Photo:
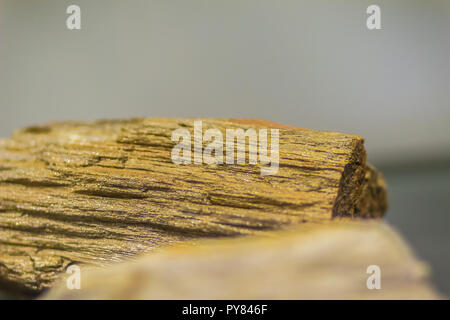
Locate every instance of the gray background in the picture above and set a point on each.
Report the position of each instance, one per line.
(307, 63)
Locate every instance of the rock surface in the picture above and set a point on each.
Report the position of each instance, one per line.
(313, 261)
(102, 192)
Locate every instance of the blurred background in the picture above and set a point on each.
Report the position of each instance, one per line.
(310, 63)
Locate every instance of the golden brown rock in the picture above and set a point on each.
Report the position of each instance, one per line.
(101, 192)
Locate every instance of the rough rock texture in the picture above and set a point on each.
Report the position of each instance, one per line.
(317, 261)
(102, 192)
